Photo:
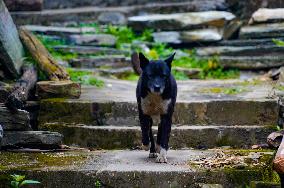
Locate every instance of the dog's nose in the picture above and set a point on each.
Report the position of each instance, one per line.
(157, 88)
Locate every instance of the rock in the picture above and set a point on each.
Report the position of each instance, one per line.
(1, 135)
(248, 42)
(32, 139)
(275, 138)
(203, 185)
(272, 30)
(180, 21)
(176, 37)
(11, 49)
(113, 61)
(93, 39)
(89, 50)
(115, 18)
(14, 120)
(58, 89)
(191, 73)
(51, 30)
(24, 5)
(265, 15)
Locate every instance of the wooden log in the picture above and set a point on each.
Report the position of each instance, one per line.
(43, 58)
(21, 90)
(58, 89)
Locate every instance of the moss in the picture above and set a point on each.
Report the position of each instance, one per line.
(227, 90)
(226, 141)
(28, 161)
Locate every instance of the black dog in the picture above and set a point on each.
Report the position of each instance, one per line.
(156, 96)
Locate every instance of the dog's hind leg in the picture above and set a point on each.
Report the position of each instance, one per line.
(153, 153)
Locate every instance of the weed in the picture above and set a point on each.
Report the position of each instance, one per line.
(85, 77)
(19, 181)
(278, 42)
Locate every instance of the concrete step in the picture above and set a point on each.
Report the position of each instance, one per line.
(91, 13)
(134, 169)
(121, 137)
(229, 102)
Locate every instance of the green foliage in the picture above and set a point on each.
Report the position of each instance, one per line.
(278, 42)
(19, 181)
(179, 75)
(85, 77)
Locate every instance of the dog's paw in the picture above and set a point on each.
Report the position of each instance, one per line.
(145, 147)
(162, 156)
(153, 155)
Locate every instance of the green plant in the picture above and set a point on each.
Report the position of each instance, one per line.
(98, 184)
(278, 42)
(19, 181)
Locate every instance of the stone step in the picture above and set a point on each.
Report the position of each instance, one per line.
(134, 169)
(200, 137)
(197, 5)
(266, 50)
(248, 42)
(198, 102)
(116, 15)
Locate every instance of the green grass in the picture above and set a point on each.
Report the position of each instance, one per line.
(85, 78)
(210, 68)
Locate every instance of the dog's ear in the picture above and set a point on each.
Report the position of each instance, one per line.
(170, 59)
(143, 61)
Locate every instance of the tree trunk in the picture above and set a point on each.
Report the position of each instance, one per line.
(42, 57)
(21, 90)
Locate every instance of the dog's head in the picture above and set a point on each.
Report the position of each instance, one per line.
(156, 73)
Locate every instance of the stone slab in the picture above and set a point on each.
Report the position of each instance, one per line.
(175, 37)
(272, 30)
(11, 49)
(265, 15)
(180, 21)
(93, 39)
(32, 139)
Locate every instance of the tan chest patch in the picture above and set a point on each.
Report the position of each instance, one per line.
(153, 104)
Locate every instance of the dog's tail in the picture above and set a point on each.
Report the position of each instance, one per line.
(136, 63)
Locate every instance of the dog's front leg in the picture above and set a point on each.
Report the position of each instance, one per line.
(163, 137)
(145, 123)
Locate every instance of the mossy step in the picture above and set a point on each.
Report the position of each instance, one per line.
(135, 169)
(121, 137)
(205, 112)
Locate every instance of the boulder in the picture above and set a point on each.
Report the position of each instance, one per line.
(24, 5)
(11, 49)
(114, 18)
(93, 39)
(58, 89)
(272, 30)
(265, 15)
(181, 21)
(32, 139)
(180, 37)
